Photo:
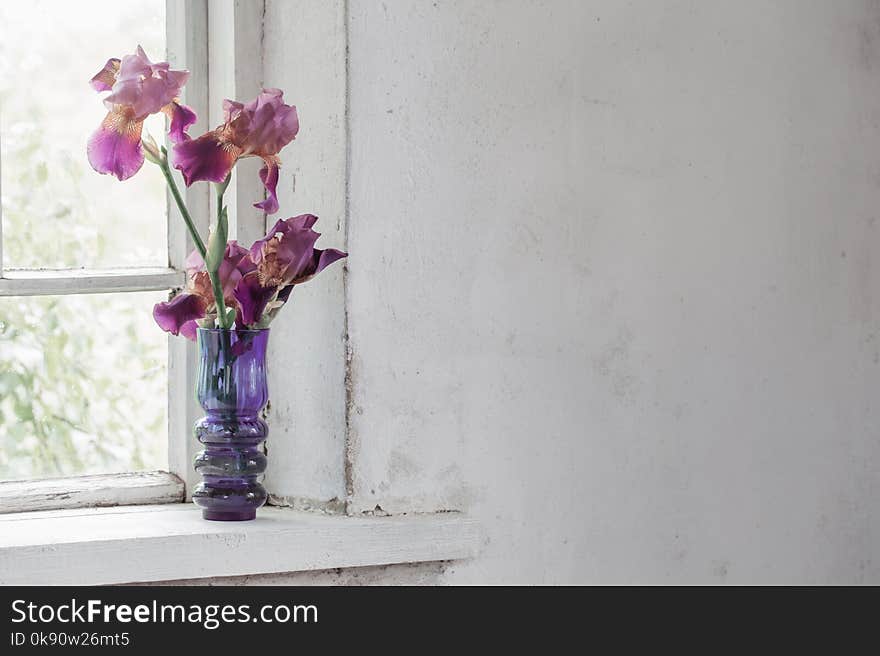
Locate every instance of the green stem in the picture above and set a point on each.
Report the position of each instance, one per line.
(216, 287)
(215, 279)
(178, 199)
(218, 300)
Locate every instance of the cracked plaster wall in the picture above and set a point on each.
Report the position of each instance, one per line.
(612, 286)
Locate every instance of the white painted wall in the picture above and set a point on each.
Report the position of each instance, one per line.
(611, 285)
(304, 54)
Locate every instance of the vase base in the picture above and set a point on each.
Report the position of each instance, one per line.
(230, 515)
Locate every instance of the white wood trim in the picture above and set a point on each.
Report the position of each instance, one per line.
(187, 47)
(305, 54)
(90, 491)
(235, 32)
(235, 47)
(43, 282)
(172, 542)
(250, 222)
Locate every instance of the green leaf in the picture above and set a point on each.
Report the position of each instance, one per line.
(217, 243)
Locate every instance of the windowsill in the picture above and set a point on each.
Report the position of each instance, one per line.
(170, 542)
(98, 490)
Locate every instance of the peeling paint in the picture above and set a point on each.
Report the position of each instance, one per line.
(350, 439)
(332, 506)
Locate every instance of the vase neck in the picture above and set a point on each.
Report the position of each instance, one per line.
(232, 372)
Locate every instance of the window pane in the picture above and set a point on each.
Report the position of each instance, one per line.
(83, 385)
(57, 212)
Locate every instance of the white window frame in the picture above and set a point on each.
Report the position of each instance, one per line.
(235, 29)
(227, 33)
(69, 540)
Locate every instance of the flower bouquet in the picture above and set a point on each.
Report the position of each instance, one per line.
(232, 293)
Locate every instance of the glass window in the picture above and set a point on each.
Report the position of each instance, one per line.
(57, 212)
(83, 380)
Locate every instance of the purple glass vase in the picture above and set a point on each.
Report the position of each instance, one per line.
(232, 390)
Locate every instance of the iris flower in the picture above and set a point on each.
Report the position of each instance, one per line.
(260, 128)
(138, 88)
(180, 315)
(256, 282)
(282, 259)
(253, 284)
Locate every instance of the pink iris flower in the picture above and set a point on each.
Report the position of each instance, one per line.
(256, 282)
(138, 88)
(282, 259)
(261, 128)
(180, 315)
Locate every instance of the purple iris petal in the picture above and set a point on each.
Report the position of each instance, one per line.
(137, 94)
(138, 88)
(281, 225)
(144, 86)
(190, 330)
(236, 262)
(285, 293)
(194, 262)
(246, 264)
(229, 272)
(235, 252)
(298, 244)
(104, 79)
(287, 249)
(181, 118)
(205, 158)
(265, 125)
(287, 254)
(115, 147)
(252, 298)
(138, 65)
(269, 177)
(174, 315)
(301, 222)
(320, 261)
(260, 128)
